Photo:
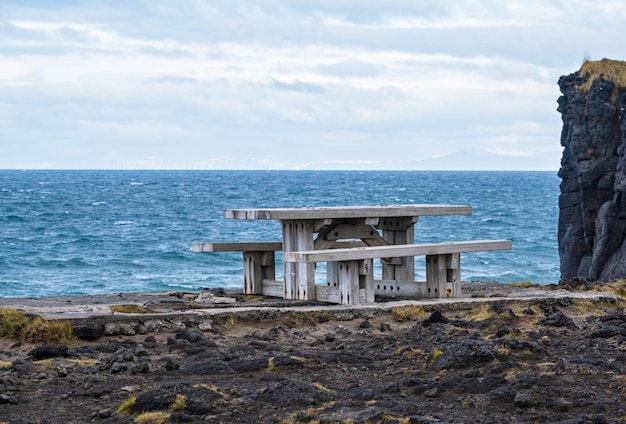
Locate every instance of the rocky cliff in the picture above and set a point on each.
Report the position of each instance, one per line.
(592, 203)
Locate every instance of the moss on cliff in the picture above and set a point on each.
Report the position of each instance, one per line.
(610, 70)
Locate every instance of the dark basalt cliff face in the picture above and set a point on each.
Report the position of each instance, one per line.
(592, 203)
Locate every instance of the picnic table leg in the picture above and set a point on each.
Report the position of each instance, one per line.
(299, 277)
(453, 269)
(443, 275)
(348, 276)
(257, 266)
(366, 280)
(331, 274)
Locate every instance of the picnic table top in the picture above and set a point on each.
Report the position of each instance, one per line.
(338, 212)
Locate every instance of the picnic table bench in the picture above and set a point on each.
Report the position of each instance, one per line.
(355, 282)
(259, 262)
(348, 239)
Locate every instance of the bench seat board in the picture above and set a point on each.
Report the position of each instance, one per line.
(399, 250)
(256, 246)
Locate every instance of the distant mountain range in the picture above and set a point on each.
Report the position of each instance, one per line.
(463, 160)
(481, 160)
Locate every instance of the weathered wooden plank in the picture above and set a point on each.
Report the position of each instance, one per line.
(327, 294)
(338, 212)
(348, 280)
(272, 288)
(400, 223)
(453, 265)
(257, 266)
(436, 275)
(400, 288)
(352, 231)
(305, 272)
(404, 267)
(320, 224)
(252, 273)
(389, 270)
(366, 281)
(255, 246)
(289, 245)
(371, 252)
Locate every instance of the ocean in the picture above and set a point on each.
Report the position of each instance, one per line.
(89, 232)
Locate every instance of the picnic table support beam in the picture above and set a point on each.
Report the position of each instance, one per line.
(398, 231)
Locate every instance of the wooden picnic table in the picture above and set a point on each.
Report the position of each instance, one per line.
(321, 228)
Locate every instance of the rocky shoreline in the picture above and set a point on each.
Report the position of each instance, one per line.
(526, 360)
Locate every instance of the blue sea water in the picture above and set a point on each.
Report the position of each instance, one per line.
(88, 232)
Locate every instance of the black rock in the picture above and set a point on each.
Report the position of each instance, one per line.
(523, 399)
(118, 367)
(558, 319)
(45, 352)
(154, 400)
(435, 317)
(191, 336)
(89, 332)
(6, 399)
(171, 365)
(292, 392)
(105, 413)
(140, 368)
(243, 365)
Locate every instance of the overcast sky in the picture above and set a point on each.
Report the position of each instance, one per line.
(270, 84)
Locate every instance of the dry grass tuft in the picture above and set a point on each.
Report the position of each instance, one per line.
(17, 325)
(46, 363)
(311, 414)
(523, 284)
(611, 70)
(157, 417)
(85, 362)
(179, 403)
(408, 313)
(436, 353)
(212, 388)
(271, 366)
(482, 312)
(617, 287)
(59, 332)
(324, 389)
(126, 405)
(225, 323)
(305, 319)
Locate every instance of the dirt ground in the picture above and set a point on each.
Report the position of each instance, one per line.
(544, 361)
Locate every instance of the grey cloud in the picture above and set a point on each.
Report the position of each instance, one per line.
(468, 85)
